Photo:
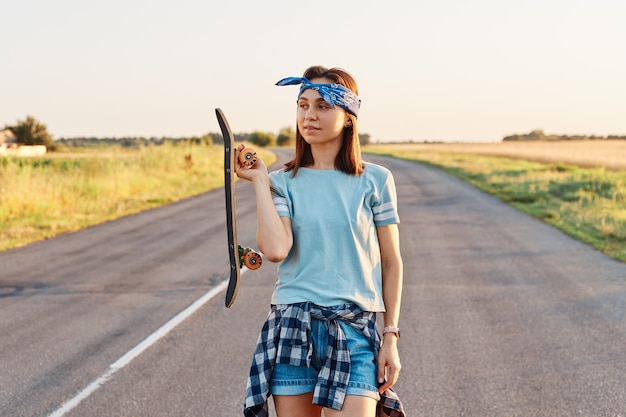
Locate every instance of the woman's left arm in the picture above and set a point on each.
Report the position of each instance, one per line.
(391, 260)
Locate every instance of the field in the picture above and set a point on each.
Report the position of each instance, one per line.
(610, 154)
(63, 192)
(579, 187)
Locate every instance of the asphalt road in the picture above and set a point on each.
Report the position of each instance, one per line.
(502, 315)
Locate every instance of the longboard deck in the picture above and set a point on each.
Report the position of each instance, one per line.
(231, 220)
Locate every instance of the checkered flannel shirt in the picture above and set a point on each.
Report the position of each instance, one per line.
(283, 339)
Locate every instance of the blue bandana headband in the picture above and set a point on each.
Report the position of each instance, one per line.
(333, 94)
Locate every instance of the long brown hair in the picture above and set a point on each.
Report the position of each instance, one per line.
(348, 159)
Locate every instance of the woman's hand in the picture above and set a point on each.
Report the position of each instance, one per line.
(258, 170)
(388, 362)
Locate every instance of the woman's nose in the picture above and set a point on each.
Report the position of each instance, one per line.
(310, 113)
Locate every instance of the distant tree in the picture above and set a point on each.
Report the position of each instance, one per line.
(218, 138)
(536, 134)
(364, 139)
(262, 139)
(286, 137)
(128, 142)
(241, 137)
(32, 132)
(207, 139)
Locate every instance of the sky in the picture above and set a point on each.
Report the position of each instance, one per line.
(444, 70)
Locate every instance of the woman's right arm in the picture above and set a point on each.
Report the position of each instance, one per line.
(274, 237)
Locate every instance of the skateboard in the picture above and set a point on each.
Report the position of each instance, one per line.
(239, 256)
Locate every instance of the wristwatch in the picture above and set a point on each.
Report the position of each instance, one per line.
(393, 330)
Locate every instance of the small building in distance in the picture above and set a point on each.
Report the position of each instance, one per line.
(10, 147)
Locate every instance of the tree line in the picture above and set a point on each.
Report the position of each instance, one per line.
(539, 134)
(257, 138)
(32, 132)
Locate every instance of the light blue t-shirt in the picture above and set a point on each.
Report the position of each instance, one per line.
(335, 258)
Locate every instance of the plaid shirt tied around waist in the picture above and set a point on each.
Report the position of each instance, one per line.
(284, 339)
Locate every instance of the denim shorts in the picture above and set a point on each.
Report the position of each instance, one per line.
(296, 380)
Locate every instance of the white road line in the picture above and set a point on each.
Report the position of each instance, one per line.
(140, 348)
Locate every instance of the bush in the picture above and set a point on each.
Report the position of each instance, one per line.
(262, 139)
(286, 137)
(32, 132)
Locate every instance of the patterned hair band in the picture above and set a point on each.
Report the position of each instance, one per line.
(333, 94)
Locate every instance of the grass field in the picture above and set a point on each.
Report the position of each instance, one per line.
(586, 199)
(610, 154)
(43, 197)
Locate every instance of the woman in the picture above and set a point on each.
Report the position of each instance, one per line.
(331, 221)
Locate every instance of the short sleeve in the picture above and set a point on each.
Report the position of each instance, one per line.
(385, 206)
(280, 194)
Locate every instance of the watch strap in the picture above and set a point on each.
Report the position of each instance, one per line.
(390, 329)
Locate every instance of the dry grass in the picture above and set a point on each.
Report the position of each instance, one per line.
(58, 193)
(610, 154)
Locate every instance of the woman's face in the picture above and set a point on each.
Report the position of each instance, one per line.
(318, 121)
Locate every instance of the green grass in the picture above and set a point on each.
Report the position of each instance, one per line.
(589, 204)
(43, 197)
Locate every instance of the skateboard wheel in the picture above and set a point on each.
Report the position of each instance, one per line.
(253, 260)
(247, 157)
(249, 258)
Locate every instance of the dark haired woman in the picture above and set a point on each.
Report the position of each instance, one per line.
(331, 221)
